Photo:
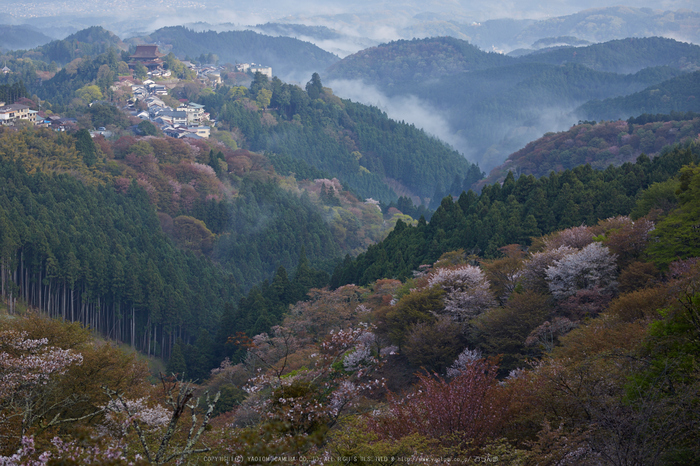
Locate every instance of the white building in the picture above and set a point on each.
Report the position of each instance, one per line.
(11, 113)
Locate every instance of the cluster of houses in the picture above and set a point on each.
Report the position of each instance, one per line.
(183, 121)
(12, 114)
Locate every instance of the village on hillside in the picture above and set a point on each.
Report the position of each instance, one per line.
(187, 120)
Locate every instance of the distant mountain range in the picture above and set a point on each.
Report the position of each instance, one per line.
(21, 37)
(495, 104)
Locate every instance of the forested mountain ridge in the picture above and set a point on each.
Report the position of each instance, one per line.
(600, 144)
(421, 59)
(377, 157)
(406, 62)
(674, 95)
(128, 236)
(13, 37)
(624, 56)
(77, 248)
(86, 43)
(592, 25)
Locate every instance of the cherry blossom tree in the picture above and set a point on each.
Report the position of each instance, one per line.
(28, 368)
(465, 359)
(156, 426)
(534, 274)
(467, 291)
(591, 267)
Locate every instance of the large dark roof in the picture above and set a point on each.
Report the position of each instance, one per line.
(147, 51)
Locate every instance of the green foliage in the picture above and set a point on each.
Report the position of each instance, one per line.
(140, 71)
(177, 68)
(433, 346)
(96, 252)
(89, 93)
(659, 196)
(103, 114)
(231, 396)
(176, 364)
(86, 147)
(503, 330)
(77, 79)
(10, 93)
(147, 128)
(269, 231)
(414, 308)
(314, 87)
(512, 213)
(678, 233)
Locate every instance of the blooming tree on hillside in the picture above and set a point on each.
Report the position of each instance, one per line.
(467, 291)
(27, 368)
(591, 267)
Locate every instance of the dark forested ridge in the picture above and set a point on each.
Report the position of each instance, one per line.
(405, 62)
(86, 43)
(624, 56)
(13, 37)
(674, 95)
(149, 240)
(512, 213)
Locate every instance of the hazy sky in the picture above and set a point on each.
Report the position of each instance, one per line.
(376, 19)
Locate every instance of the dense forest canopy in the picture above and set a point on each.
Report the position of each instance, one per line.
(608, 309)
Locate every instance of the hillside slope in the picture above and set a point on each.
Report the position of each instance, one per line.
(600, 145)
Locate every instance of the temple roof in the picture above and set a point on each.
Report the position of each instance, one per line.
(147, 52)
